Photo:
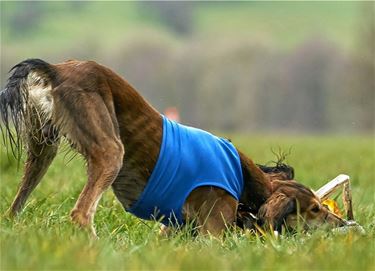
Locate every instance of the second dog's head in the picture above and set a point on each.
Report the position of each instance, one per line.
(293, 204)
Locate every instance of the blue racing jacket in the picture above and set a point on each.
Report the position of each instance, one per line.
(188, 158)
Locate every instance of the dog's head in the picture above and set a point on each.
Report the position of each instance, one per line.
(294, 205)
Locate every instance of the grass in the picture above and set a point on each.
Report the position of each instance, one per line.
(42, 238)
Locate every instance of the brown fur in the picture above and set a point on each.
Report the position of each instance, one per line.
(119, 134)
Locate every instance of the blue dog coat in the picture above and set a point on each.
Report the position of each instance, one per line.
(188, 158)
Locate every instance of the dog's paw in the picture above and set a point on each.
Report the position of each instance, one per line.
(165, 231)
(84, 222)
(79, 218)
(9, 214)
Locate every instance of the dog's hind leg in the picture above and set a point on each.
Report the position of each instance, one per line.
(91, 125)
(39, 157)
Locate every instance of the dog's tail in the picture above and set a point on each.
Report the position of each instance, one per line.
(15, 106)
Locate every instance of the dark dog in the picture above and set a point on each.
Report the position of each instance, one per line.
(120, 135)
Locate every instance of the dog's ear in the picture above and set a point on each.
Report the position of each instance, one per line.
(279, 172)
(275, 210)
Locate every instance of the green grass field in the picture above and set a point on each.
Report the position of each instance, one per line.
(42, 238)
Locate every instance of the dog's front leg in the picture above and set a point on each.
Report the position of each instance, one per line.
(213, 209)
(165, 231)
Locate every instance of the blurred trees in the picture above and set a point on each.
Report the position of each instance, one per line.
(306, 102)
(239, 85)
(178, 15)
(228, 83)
(364, 72)
(24, 19)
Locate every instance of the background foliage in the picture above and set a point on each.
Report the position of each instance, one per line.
(254, 66)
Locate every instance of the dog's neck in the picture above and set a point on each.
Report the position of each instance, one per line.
(257, 186)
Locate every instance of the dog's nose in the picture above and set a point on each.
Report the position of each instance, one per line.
(342, 222)
(332, 218)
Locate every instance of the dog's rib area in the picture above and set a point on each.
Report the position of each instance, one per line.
(140, 127)
(142, 141)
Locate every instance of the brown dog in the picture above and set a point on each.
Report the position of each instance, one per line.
(119, 134)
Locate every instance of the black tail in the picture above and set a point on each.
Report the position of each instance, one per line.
(14, 98)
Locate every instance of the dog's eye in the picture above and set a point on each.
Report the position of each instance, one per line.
(315, 209)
